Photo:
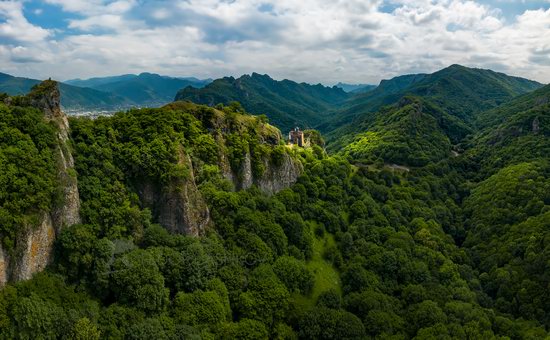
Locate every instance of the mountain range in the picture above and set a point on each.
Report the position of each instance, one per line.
(145, 89)
(108, 93)
(72, 97)
(426, 217)
(460, 91)
(286, 103)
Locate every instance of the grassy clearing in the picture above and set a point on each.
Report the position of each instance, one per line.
(326, 276)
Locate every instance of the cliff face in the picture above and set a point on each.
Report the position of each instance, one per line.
(273, 179)
(249, 153)
(178, 206)
(278, 177)
(34, 250)
(34, 243)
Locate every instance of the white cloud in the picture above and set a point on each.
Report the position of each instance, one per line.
(94, 7)
(15, 26)
(308, 40)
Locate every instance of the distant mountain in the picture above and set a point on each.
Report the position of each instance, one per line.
(370, 101)
(98, 81)
(145, 89)
(460, 91)
(412, 132)
(517, 131)
(355, 88)
(285, 102)
(529, 101)
(72, 97)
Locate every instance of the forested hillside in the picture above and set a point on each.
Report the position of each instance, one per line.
(412, 132)
(286, 103)
(461, 91)
(199, 222)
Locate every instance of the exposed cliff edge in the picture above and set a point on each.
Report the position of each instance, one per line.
(274, 178)
(178, 206)
(161, 155)
(34, 242)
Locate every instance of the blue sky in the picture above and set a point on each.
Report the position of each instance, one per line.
(357, 41)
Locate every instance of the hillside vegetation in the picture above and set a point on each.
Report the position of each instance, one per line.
(428, 221)
(460, 91)
(287, 104)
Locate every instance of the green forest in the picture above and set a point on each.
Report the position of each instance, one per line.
(422, 222)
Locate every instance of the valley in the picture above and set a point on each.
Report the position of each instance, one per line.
(419, 211)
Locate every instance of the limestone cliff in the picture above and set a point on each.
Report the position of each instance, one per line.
(277, 177)
(274, 178)
(178, 205)
(34, 242)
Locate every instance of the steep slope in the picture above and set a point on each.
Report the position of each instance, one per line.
(508, 210)
(160, 156)
(355, 88)
(145, 89)
(383, 94)
(413, 132)
(285, 102)
(72, 97)
(531, 100)
(462, 92)
(38, 192)
(515, 132)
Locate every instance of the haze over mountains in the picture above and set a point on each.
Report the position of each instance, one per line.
(108, 93)
(145, 89)
(355, 88)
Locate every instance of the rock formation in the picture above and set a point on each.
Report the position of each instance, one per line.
(34, 243)
(178, 206)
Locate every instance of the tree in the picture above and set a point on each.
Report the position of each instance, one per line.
(198, 267)
(425, 314)
(245, 329)
(266, 298)
(330, 299)
(84, 329)
(325, 323)
(199, 308)
(137, 281)
(35, 318)
(294, 274)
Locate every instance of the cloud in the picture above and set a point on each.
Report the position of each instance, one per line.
(14, 26)
(309, 40)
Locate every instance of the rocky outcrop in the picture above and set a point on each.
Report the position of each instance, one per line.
(4, 262)
(178, 206)
(279, 177)
(34, 243)
(34, 249)
(275, 177)
(536, 125)
(245, 174)
(47, 97)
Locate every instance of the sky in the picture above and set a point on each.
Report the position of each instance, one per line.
(315, 41)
